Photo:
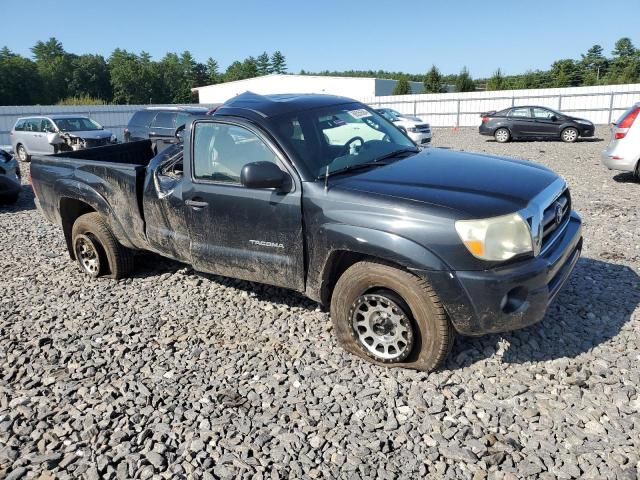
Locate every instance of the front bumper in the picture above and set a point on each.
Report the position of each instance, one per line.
(510, 297)
(420, 138)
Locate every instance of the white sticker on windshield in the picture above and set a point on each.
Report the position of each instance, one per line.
(360, 113)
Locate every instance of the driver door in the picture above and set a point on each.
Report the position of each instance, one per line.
(249, 233)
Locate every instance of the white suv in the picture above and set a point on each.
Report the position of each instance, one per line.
(623, 151)
(413, 127)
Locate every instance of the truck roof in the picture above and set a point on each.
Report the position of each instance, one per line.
(273, 105)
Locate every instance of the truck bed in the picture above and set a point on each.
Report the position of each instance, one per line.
(131, 153)
(110, 179)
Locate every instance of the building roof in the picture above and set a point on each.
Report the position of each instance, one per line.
(287, 75)
(272, 105)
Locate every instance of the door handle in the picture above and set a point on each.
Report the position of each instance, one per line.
(195, 204)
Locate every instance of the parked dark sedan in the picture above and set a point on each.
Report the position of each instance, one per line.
(159, 124)
(529, 122)
(9, 178)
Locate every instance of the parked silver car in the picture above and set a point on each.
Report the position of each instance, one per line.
(48, 134)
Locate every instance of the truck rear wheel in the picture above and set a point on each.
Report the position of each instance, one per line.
(390, 317)
(97, 250)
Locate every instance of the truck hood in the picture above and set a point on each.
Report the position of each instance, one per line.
(475, 185)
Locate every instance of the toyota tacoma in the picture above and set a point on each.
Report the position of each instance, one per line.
(406, 247)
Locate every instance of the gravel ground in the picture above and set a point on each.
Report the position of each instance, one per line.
(175, 374)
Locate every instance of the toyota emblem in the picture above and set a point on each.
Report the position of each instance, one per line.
(558, 214)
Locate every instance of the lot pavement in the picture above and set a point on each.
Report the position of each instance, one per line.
(176, 374)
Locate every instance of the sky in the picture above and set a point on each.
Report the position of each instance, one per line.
(406, 36)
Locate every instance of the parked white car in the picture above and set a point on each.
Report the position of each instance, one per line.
(623, 151)
(418, 130)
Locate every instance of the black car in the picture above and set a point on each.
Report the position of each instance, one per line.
(159, 124)
(9, 178)
(533, 122)
(322, 195)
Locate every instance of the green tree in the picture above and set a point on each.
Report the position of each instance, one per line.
(263, 63)
(90, 78)
(21, 83)
(497, 81)
(464, 82)
(402, 87)
(278, 62)
(433, 81)
(54, 67)
(213, 72)
(565, 73)
(134, 78)
(593, 65)
(241, 70)
(625, 64)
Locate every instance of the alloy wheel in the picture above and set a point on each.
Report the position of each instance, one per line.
(382, 327)
(87, 255)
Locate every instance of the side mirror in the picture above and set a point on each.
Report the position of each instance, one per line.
(263, 175)
(179, 134)
(554, 118)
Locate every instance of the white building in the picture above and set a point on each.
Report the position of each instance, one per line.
(353, 87)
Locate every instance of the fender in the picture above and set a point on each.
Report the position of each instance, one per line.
(81, 191)
(365, 241)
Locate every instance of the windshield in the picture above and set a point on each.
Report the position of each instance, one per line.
(340, 137)
(77, 124)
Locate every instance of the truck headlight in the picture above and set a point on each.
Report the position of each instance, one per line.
(498, 238)
(412, 129)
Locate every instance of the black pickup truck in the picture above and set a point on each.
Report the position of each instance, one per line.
(322, 195)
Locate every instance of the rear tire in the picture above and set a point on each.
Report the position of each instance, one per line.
(22, 154)
(502, 135)
(390, 317)
(569, 135)
(97, 250)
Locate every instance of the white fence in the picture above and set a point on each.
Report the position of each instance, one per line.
(601, 105)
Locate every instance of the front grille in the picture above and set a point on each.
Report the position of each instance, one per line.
(95, 142)
(423, 128)
(554, 218)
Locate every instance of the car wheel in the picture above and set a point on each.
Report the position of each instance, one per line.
(23, 156)
(97, 250)
(502, 135)
(390, 317)
(569, 135)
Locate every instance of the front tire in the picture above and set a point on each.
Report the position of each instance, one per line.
(390, 317)
(569, 135)
(502, 135)
(22, 154)
(97, 250)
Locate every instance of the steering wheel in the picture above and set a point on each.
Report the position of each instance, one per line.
(351, 140)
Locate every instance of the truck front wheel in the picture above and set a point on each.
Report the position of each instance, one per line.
(390, 317)
(97, 250)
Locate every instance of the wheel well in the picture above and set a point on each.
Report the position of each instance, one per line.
(338, 263)
(70, 210)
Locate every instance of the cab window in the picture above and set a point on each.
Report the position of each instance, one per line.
(164, 120)
(221, 150)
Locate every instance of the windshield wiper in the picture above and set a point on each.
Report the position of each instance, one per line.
(378, 162)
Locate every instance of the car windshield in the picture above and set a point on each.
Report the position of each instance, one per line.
(76, 124)
(341, 137)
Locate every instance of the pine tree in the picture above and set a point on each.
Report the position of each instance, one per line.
(264, 64)
(278, 63)
(213, 71)
(402, 87)
(464, 82)
(433, 81)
